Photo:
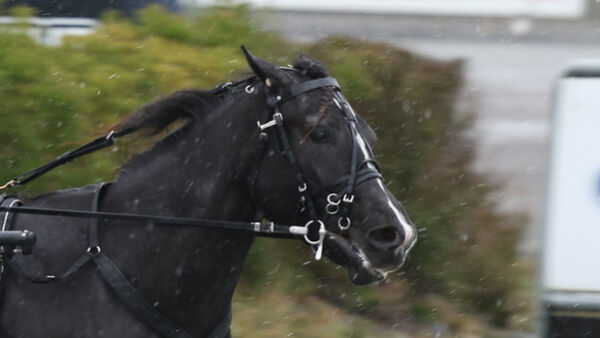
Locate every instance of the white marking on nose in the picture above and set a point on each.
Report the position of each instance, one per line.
(409, 233)
(363, 148)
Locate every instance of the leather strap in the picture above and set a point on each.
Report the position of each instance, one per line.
(307, 86)
(44, 279)
(99, 143)
(123, 289)
(222, 329)
(134, 301)
(81, 261)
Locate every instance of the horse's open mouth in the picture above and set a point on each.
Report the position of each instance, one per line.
(347, 254)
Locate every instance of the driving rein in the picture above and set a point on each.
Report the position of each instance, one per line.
(338, 203)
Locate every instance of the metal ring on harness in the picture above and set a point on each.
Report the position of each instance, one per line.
(93, 250)
(321, 232)
(333, 205)
(344, 223)
(319, 242)
(332, 209)
(4, 223)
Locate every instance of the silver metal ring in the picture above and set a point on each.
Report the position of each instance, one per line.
(332, 209)
(249, 89)
(93, 250)
(321, 226)
(7, 213)
(331, 199)
(344, 223)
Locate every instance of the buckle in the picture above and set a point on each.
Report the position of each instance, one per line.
(276, 121)
(348, 198)
(226, 85)
(303, 187)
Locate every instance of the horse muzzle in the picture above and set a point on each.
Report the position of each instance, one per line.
(361, 269)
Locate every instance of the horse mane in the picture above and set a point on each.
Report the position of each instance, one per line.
(191, 105)
(155, 116)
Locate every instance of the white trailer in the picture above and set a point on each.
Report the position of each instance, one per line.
(49, 31)
(570, 278)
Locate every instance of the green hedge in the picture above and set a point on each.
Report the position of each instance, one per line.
(52, 99)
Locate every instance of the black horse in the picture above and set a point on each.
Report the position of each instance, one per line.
(282, 145)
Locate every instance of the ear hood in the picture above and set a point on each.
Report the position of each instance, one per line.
(273, 77)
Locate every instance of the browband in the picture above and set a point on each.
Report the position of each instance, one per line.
(307, 86)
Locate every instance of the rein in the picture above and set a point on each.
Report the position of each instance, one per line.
(264, 229)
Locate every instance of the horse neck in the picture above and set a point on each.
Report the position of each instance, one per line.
(203, 176)
(201, 171)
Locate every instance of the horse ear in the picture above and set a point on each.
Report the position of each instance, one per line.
(273, 77)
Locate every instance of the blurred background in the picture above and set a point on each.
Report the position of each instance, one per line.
(460, 94)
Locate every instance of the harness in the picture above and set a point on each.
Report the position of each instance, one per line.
(340, 194)
(339, 199)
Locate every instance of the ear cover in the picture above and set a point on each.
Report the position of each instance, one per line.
(273, 77)
(365, 130)
(310, 67)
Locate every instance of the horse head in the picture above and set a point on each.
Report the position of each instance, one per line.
(319, 151)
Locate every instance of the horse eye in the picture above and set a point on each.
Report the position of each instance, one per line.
(318, 135)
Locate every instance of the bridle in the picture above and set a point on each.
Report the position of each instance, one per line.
(340, 194)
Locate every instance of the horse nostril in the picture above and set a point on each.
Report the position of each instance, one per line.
(385, 237)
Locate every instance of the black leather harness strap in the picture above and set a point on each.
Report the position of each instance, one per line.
(119, 284)
(134, 301)
(81, 261)
(142, 309)
(99, 143)
(339, 201)
(43, 279)
(124, 290)
(307, 86)
(223, 329)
